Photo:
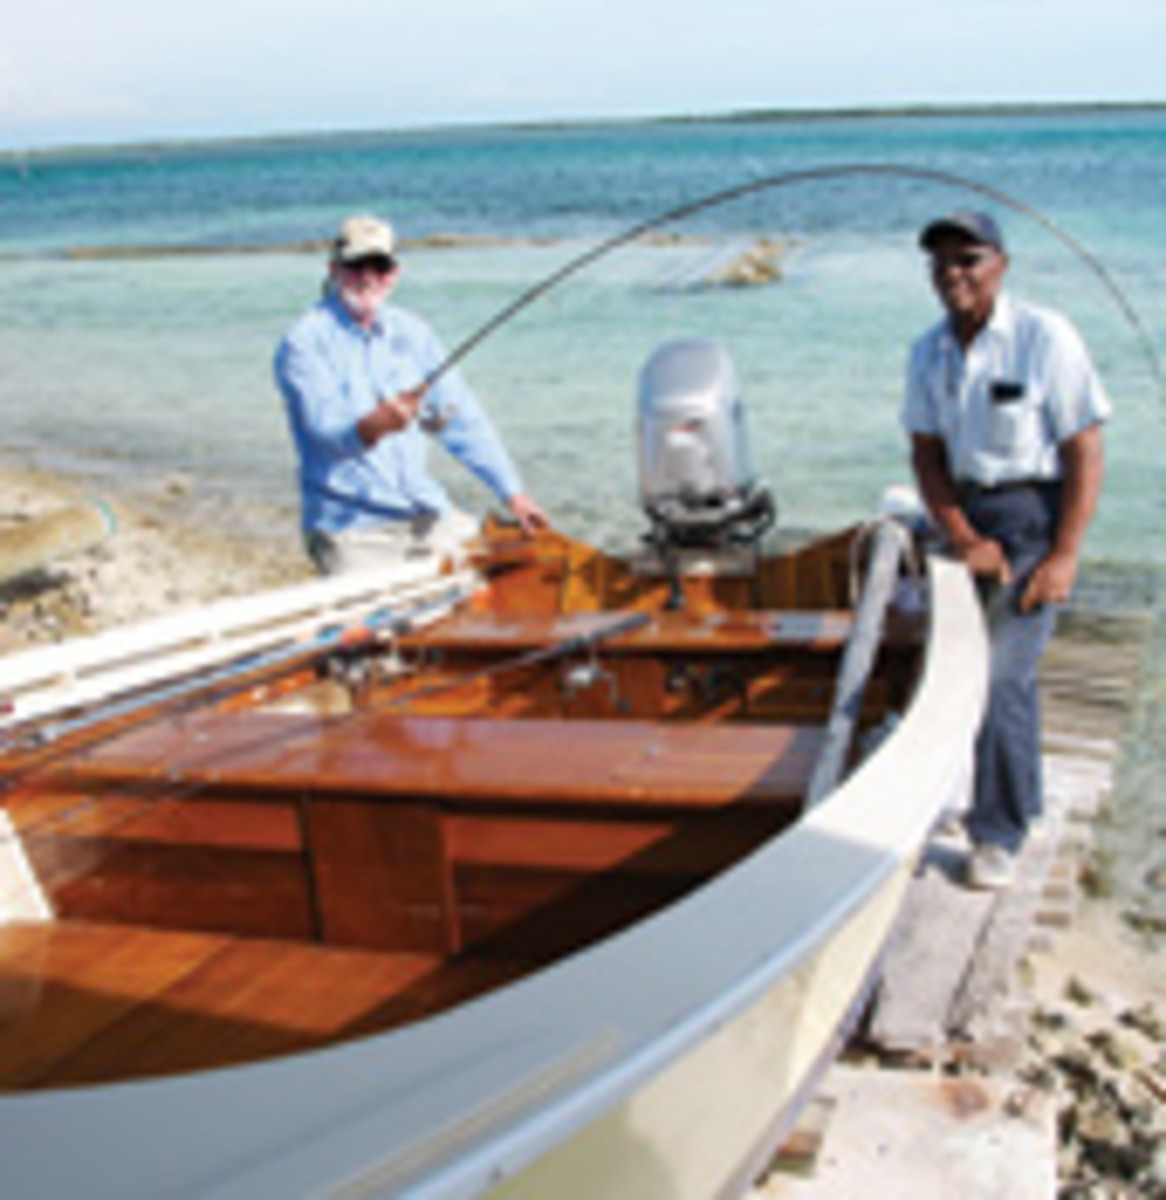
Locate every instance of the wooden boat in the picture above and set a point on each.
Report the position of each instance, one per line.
(519, 879)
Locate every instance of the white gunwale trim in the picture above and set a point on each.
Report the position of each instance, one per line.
(48, 680)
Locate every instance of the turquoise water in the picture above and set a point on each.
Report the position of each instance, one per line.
(141, 368)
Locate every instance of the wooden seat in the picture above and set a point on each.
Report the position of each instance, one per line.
(143, 853)
(426, 835)
(665, 632)
(85, 1002)
(461, 762)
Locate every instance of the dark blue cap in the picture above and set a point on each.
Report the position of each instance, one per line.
(973, 226)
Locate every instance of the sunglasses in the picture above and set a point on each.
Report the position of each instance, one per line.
(378, 264)
(968, 260)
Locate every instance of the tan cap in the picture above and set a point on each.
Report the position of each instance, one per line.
(360, 237)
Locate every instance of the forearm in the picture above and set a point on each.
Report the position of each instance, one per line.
(929, 462)
(982, 555)
(470, 437)
(390, 415)
(1083, 469)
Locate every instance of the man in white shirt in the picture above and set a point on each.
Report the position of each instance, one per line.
(1004, 411)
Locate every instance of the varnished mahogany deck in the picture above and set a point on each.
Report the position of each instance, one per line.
(423, 840)
(84, 1003)
(456, 762)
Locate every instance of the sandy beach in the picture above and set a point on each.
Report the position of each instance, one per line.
(154, 562)
(1096, 1034)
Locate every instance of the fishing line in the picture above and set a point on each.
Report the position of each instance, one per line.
(788, 179)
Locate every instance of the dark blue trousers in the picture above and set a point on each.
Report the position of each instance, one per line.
(1008, 793)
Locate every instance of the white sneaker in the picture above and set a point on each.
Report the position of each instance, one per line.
(990, 868)
(950, 826)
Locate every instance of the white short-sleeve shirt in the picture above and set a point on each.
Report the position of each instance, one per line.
(1003, 406)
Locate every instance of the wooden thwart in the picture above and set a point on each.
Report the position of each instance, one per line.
(742, 632)
(405, 834)
(458, 761)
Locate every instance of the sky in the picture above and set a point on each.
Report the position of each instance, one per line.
(123, 71)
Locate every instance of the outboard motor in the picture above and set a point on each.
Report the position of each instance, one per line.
(696, 483)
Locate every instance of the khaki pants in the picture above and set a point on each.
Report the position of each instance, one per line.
(435, 535)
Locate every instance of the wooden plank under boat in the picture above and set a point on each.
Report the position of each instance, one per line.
(503, 884)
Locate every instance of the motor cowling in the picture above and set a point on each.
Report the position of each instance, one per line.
(696, 481)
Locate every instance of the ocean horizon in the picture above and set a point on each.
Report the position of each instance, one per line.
(921, 110)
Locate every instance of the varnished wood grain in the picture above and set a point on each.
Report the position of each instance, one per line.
(690, 847)
(60, 986)
(317, 861)
(252, 1000)
(543, 887)
(545, 914)
(140, 853)
(459, 761)
(382, 876)
(746, 631)
(247, 892)
(84, 1003)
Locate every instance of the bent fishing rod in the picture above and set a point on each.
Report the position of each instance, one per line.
(789, 179)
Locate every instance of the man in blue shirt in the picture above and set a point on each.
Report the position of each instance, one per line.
(352, 373)
(1004, 411)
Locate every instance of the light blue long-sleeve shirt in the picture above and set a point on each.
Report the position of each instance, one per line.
(331, 373)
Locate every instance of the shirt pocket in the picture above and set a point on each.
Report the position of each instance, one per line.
(1005, 391)
(1013, 426)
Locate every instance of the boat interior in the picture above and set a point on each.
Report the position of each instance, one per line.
(368, 835)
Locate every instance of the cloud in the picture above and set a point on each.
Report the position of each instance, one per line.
(134, 69)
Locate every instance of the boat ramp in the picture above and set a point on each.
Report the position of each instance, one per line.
(929, 1099)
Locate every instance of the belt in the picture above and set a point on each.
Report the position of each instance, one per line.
(969, 489)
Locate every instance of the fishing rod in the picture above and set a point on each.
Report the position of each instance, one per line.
(221, 683)
(789, 179)
(578, 643)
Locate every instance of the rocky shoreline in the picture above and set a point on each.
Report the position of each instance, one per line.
(1095, 1040)
(1104, 1062)
(154, 563)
